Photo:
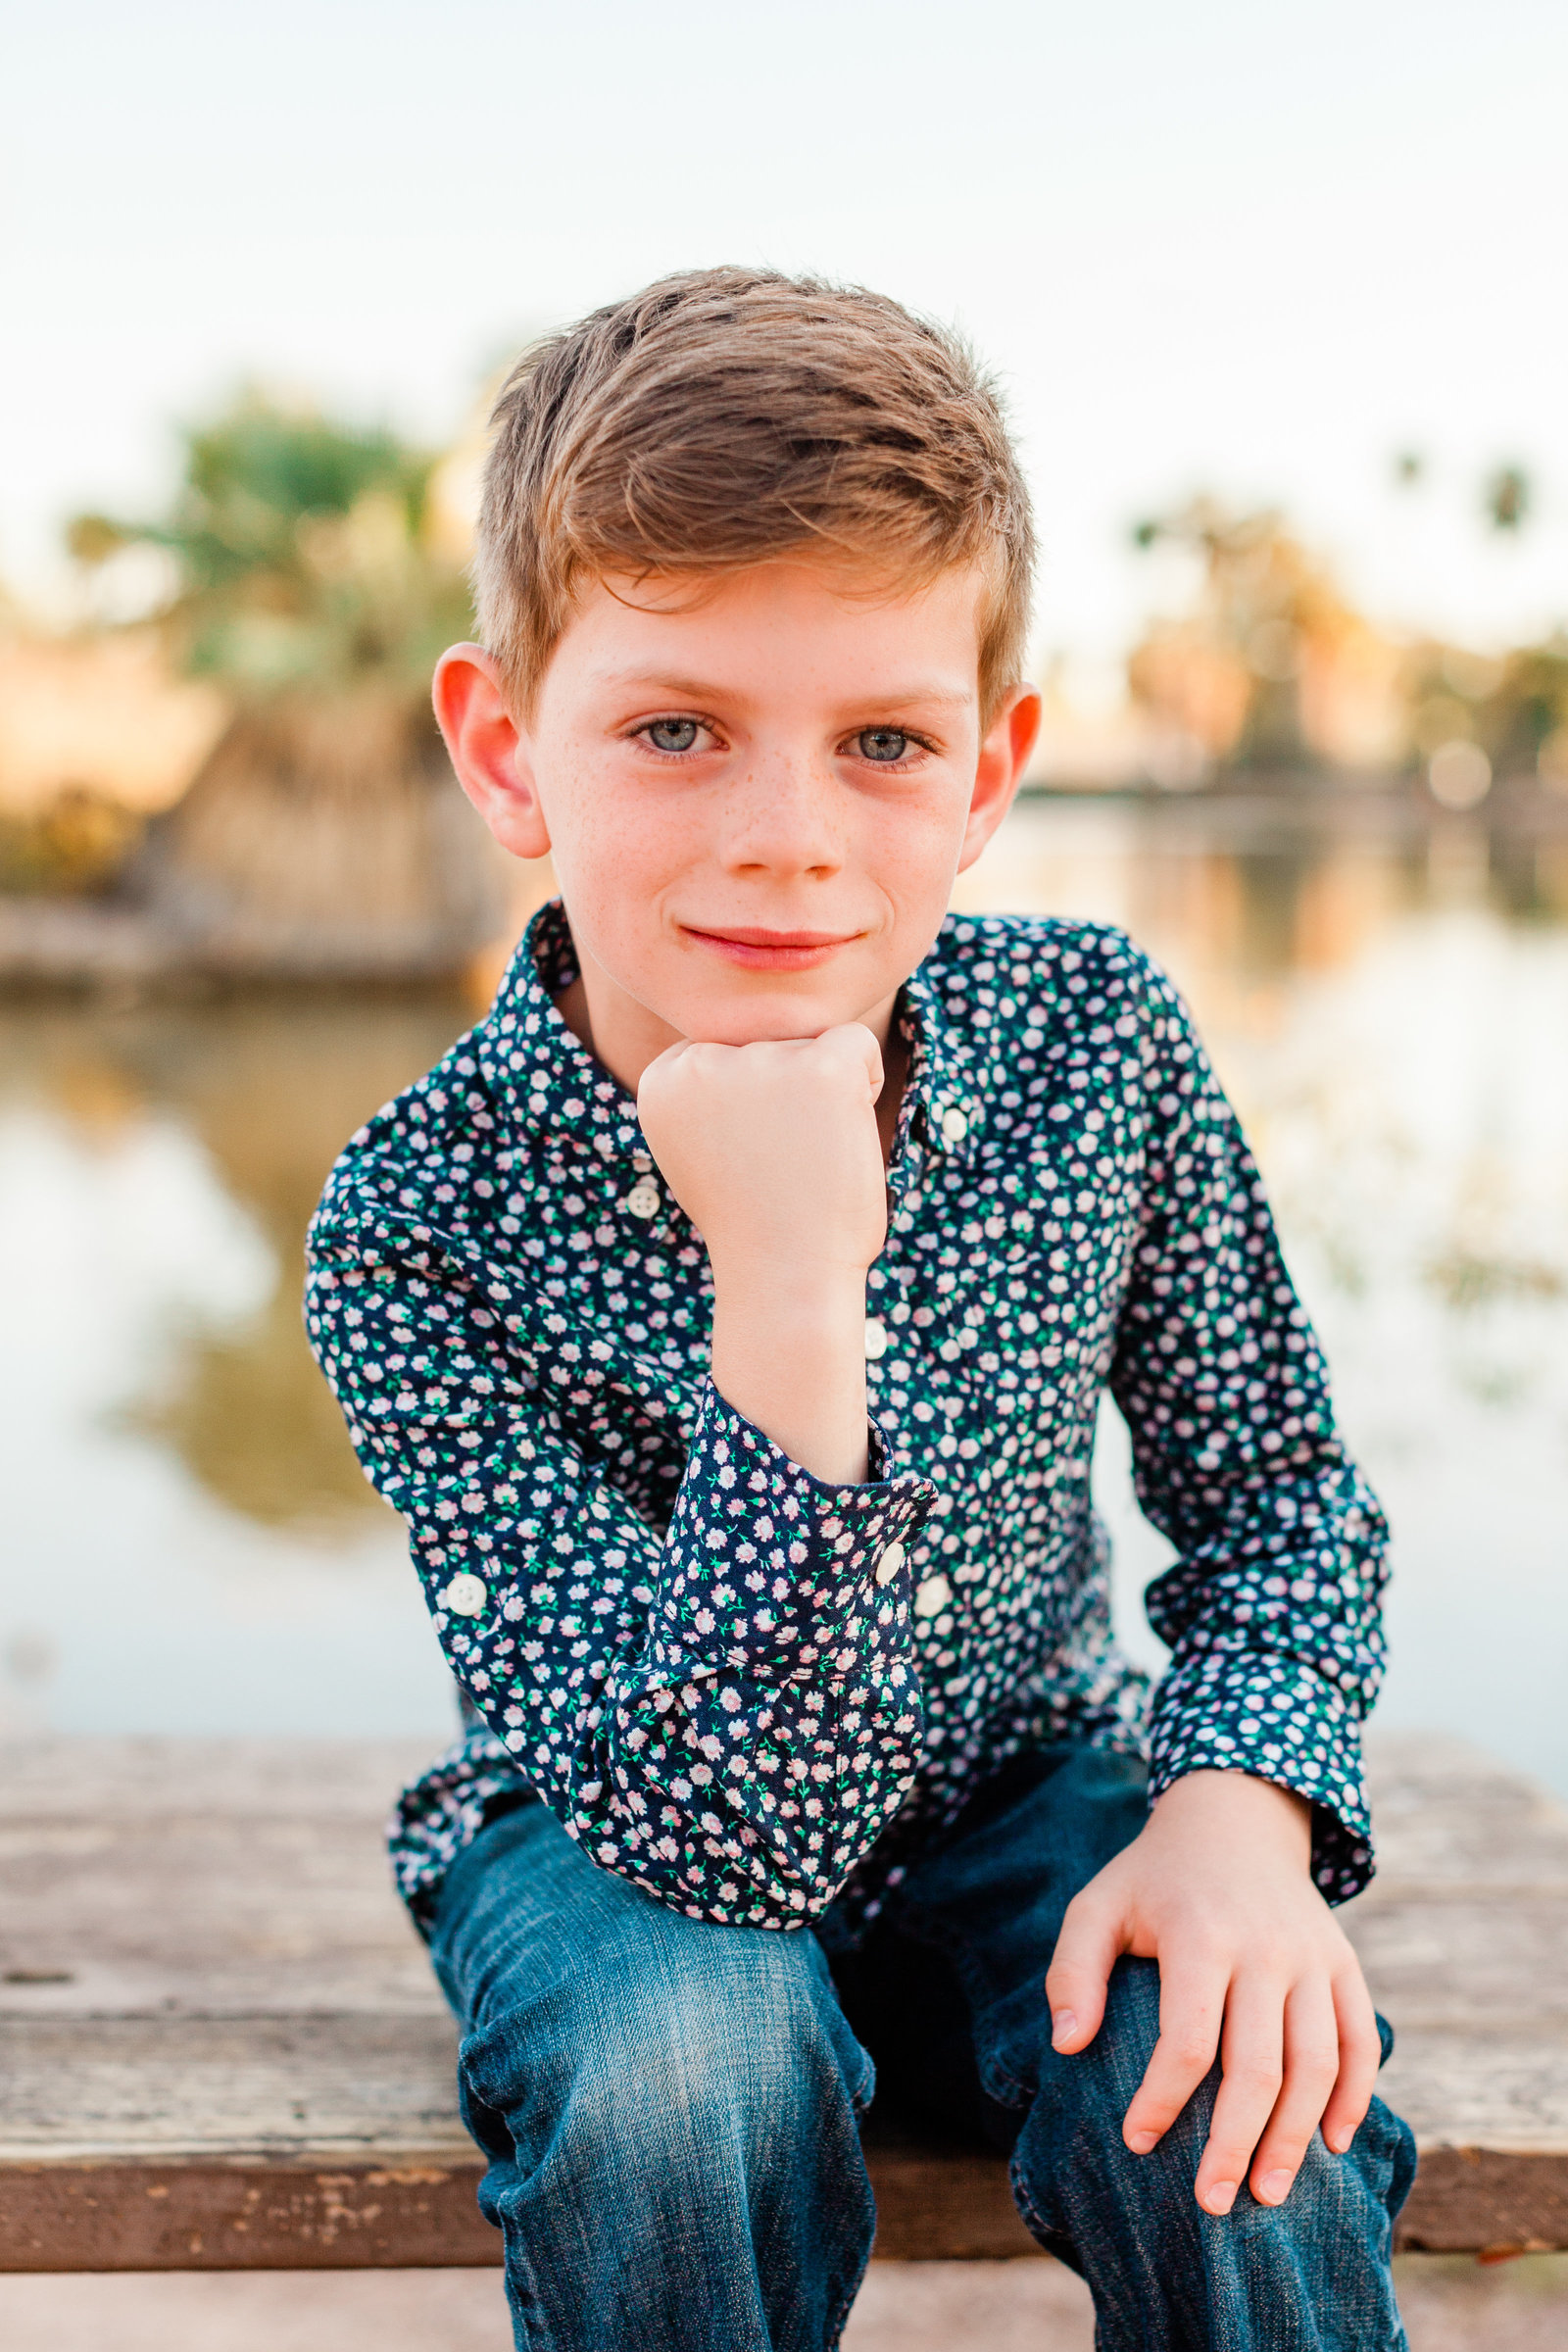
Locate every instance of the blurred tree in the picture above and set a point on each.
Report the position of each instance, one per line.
(316, 576)
(308, 555)
(1514, 706)
(1508, 498)
(1271, 668)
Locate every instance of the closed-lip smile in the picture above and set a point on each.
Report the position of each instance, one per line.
(762, 950)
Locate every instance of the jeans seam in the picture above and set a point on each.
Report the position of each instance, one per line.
(1023, 2197)
(840, 2319)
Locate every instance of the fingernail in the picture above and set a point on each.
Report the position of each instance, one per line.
(1340, 2137)
(1219, 2196)
(1274, 2187)
(1141, 2142)
(1063, 2026)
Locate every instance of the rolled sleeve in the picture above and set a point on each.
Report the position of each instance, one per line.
(770, 1571)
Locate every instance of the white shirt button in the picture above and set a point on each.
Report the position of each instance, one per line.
(888, 1566)
(933, 1596)
(954, 1126)
(465, 1596)
(876, 1339)
(642, 1198)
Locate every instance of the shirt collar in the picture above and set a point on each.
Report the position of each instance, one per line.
(549, 1082)
(944, 1103)
(540, 1071)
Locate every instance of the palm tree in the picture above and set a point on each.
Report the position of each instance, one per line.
(315, 577)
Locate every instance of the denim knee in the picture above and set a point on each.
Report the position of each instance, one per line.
(1083, 2099)
(1312, 2272)
(658, 2056)
(674, 2149)
(668, 2106)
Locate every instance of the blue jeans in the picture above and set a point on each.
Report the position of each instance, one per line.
(670, 2108)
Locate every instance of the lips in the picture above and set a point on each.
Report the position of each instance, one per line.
(760, 950)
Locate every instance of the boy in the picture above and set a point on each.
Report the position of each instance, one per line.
(729, 1316)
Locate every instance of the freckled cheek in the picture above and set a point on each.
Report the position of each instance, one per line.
(911, 858)
(614, 846)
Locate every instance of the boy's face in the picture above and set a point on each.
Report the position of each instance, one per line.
(757, 793)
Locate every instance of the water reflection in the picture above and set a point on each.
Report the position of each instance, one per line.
(195, 1548)
(190, 1543)
(261, 1097)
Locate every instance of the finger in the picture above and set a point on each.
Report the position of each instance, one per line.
(1252, 2059)
(1093, 1936)
(1192, 2009)
(1361, 2056)
(1311, 2064)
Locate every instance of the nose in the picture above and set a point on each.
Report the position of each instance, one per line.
(784, 818)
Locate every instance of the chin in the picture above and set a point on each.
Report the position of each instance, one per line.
(761, 1020)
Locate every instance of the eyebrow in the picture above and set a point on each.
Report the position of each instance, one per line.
(699, 690)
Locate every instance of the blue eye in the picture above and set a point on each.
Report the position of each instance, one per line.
(882, 744)
(672, 734)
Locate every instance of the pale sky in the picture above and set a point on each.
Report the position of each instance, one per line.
(1231, 244)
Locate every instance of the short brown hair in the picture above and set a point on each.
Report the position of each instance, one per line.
(726, 417)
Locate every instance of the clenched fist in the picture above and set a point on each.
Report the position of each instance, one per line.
(773, 1151)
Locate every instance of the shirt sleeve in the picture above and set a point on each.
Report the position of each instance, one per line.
(1273, 1608)
(726, 1711)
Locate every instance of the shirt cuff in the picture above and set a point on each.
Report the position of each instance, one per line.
(1280, 1720)
(772, 1572)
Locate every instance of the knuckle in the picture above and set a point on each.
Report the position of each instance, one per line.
(1188, 2044)
(1311, 2081)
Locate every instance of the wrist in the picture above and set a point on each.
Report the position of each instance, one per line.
(790, 1357)
(827, 1299)
(1241, 1802)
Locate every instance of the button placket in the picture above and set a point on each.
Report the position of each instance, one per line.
(645, 1199)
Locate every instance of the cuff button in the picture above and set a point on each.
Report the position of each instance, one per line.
(888, 1566)
(465, 1596)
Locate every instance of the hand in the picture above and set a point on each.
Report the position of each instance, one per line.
(1252, 1965)
(773, 1151)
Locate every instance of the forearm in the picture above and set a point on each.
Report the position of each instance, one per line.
(774, 1153)
(790, 1357)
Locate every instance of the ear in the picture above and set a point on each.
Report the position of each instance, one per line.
(487, 749)
(1004, 752)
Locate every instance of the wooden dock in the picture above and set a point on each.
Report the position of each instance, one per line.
(221, 2047)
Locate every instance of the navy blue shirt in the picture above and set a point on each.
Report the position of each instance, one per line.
(750, 1692)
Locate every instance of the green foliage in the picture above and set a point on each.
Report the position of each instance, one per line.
(306, 555)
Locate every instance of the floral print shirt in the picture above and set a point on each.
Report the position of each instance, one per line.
(749, 1692)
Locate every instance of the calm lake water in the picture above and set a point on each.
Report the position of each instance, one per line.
(190, 1547)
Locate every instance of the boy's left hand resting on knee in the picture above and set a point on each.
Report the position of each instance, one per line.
(1254, 1968)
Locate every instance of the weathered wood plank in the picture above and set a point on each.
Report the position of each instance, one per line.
(220, 2045)
(223, 2216)
(350, 2088)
